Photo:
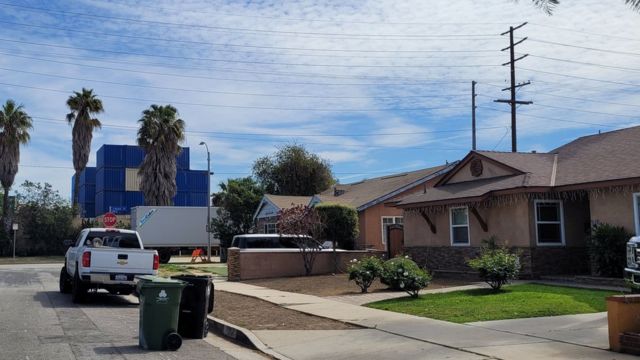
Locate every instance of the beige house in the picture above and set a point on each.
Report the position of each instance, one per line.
(540, 203)
(369, 198)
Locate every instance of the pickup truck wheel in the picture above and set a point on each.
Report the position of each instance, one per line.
(78, 290)
(164, 256)
(65, 281)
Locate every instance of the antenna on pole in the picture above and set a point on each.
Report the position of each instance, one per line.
(473, 115)
(512, 100)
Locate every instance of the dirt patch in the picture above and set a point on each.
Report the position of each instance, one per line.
(255, 314)
(335, 285)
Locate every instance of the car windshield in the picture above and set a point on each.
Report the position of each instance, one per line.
(113, 239)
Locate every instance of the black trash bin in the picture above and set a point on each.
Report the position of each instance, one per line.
(196, 303)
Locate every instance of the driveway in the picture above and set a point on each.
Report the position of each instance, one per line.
(37, 322)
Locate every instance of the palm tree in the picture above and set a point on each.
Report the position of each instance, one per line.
(83, 106)
(160, 134)
(14, 131)
(548, 5)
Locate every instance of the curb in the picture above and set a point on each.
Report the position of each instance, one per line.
(242, 336)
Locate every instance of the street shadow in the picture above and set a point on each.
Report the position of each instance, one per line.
(54, 299)
(122, 350)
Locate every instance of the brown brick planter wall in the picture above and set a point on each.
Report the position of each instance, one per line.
(630, 343)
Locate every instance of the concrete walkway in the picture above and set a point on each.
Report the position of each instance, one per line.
(393, 335)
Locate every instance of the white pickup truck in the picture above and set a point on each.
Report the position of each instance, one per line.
(105, 259)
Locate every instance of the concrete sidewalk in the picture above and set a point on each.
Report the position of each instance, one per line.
(393, 335)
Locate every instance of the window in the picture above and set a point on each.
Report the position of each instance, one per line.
(270, 228)
(636, 212)
(386, 221)
(459, 220)
(549, 222)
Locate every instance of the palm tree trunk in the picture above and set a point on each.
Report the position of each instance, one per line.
(6, 223)
(76, 192)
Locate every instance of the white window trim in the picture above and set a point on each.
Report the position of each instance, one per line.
(270, 223)
(384, 230)
(535, 217)
(451, 226)
(636, 212)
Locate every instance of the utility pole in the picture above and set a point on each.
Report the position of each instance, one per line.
(208, 226)
(512, 101)
(473, 115)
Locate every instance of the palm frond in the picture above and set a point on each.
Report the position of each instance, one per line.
(635, 4)
(546, 5)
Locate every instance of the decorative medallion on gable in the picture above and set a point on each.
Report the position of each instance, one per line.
(476, 167)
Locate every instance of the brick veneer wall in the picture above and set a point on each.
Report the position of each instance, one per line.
(535, 261)
(248, 264)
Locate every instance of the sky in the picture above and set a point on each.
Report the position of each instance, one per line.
(375, 87)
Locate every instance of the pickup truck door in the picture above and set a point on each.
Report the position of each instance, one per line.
(72, 254)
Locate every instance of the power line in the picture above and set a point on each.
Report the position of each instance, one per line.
(586, 63)
(585, 47)
(202, 132)
(581, 77)
(237, 106)
(243, 30)
(239, 61)
(231, 79)
(588, 111)
(231, 92)
(584, 32)
(539, 93)
(550, 118)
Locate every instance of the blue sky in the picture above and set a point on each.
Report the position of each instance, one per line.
(376, 87)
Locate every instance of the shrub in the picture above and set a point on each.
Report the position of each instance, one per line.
(402, 273)
(341, 224)
(365, 271)
(607, 247)
(496, 267)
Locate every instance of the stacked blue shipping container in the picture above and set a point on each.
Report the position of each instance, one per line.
(108, 189)
(87, 193)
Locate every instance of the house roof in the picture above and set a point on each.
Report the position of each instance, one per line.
(285, 201)
(373, 191)
(598, 158)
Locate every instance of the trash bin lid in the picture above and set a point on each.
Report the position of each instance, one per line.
(158, 281)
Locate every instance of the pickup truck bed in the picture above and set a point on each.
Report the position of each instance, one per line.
(106, 259)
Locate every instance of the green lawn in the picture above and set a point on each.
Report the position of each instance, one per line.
(175, 269)
(516, 301)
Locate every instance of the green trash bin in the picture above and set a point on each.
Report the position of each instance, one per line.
(159, 311)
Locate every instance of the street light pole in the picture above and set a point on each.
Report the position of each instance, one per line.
(15, 230)
(208, 227)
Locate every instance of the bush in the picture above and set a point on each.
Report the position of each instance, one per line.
(341, 224)
(608, 249)
(365, 271)
(403, 274)
(496, 267)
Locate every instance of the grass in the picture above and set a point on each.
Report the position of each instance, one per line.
(513, 302)
(32, 260)
(175, 269)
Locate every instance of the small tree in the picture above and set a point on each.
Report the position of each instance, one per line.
(364, 271)
(496, 265)
(342, 226)
(306, 226)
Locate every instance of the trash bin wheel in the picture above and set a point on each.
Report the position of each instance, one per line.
(173, 341)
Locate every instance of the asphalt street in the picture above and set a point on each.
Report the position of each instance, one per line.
(37, 322)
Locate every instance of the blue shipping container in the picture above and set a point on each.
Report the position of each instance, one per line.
(88, 176)
(108, 199)
(133, 199)
(87, 193)
(182, 162)
(197, 181)
(110, 156)
(181, 199)
(182, 180)
(88, 210)
(197, 199)
(133, 156)
(110, 179)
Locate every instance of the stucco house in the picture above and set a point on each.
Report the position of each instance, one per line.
(369, 196)
(543, 204)
(266, 215)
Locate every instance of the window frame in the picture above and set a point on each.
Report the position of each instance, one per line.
(535, 218)
(384, 230)
(275, 228)
(636, 212)
(467, 225)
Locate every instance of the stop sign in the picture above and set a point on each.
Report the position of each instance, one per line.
(109, 219)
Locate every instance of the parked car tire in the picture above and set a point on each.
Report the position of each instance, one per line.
(78, 290)
(65, 281)
(165, 256)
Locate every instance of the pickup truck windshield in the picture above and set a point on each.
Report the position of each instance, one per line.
(112, 239)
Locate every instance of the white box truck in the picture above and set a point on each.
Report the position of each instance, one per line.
(169, 229)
